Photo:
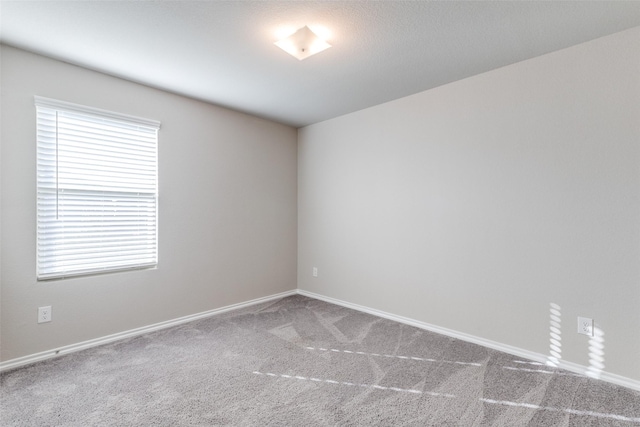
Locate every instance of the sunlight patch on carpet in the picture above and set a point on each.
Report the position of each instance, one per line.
(421, 359)
(350, 384)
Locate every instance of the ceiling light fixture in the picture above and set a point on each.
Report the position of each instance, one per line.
(303, 43)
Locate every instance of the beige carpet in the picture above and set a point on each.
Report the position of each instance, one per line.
(303, 362)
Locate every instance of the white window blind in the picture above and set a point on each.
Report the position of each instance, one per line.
(97, 190)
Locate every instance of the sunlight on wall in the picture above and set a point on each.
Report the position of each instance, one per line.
(555, 332)
(596, 353)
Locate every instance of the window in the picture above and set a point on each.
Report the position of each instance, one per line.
(97, 190)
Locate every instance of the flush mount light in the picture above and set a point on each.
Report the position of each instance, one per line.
(303, 43)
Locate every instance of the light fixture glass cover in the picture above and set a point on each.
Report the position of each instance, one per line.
(303, 43)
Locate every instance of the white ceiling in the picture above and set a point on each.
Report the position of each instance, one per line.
(222, 52)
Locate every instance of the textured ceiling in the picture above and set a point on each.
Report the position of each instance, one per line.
(222, 51)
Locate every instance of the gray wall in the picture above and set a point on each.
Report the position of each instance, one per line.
(227, 211)
(476, 205)
(473, 206)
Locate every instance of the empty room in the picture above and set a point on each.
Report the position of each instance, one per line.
(319, 213)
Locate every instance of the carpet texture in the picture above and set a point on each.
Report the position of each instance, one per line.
(304, 362)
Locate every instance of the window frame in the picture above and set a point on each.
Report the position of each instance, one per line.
(115, 201)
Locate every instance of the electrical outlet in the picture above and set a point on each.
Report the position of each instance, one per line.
(315, 272)
(44, 314)
(585, 326)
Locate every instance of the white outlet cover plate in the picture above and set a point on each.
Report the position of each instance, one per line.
(44, 314)
(585, 326)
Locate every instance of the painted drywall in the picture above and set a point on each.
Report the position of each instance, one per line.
(477, 205)
(227, 211)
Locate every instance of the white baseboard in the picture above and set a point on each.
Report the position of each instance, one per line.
(519, 352)
(537, 357)
(44, 355)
